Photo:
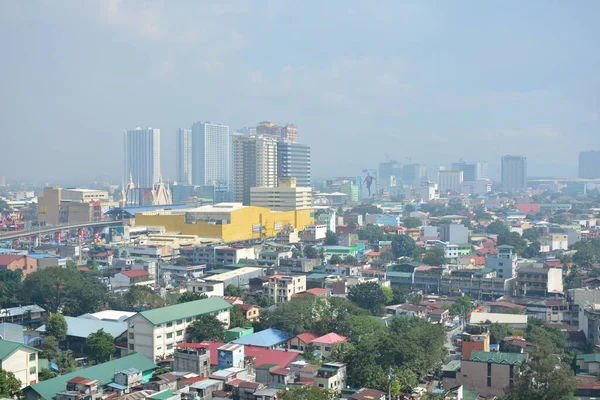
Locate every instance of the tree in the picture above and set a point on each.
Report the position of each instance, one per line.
(513, 239)
(10, 386)
(141, 297)
(415, 298)
(498, 332)
(310, 252)
(532, 251)
(531, 234)
(309, 353)
(584, 257)
(544, 376)
(234, 290)
(497, 228)
(44, 374)
(408, 208)
(371, 232)
(403, 246)
(49, 348)
(365, 209)
(189, 296)
(461, 307)
(65, 363)
(101, 346)
(331, 239)
(335, 259)
(181, 261)
(399, 295)
(411, 222)
(388, 293)
(308, 393)
(368, 296)
(56, 326)
(387, 256)
(70, 264)
(236, 318)
(434, 256)
(350, 260)
(205, 327)
(259, 300)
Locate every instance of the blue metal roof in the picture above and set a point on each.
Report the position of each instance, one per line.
(267, 338)
(42, 255)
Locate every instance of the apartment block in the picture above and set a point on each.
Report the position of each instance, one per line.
(281, 288)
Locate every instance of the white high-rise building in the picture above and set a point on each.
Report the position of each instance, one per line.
(514, 173)
(210, 154)
(142, 156)
(450, 181)
(254, 164)
(184, 156)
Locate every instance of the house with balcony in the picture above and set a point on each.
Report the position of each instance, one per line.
(331, 376)
(539, 280)
(80, 388)
(281, 288)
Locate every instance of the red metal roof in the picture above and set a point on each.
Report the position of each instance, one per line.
(306, 337)
(135, 273)
(330, 338)
(507, 305)
(260, 354)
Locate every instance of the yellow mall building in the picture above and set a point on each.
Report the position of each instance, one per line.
(230, 222)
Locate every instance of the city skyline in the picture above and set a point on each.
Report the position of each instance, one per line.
(414, 81)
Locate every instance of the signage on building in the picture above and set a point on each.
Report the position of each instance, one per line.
(278, 226)
(256, 228)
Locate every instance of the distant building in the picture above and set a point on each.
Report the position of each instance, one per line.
(210, 154)
(414, 174)
(142, 156)
(281, 288)
(472, 171)
(504, 263)
(589, 164)
(184, 156)
(450, 181)
(514, 173)
(286, 197)
(350, 189)
(293, 161)
(454, 233)
(479, 187)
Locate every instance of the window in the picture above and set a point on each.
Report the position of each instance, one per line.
(489, 369)
(179, 321)
(169, 335)
(327, 348)
(32, 357)
(158, 336)
(179, 333)
(188, 320)
(159, 348)
(320, 385)
(131, 347)
(489, 382)
(32, 370)
(169, 347)
(169, 324)
(131, 335)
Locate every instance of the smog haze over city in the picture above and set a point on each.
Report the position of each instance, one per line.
(421, 81)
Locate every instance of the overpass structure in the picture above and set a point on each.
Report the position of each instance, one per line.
(58, 228)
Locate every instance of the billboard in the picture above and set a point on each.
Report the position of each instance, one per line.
(256, 228)
(368, 184)
(278, 226)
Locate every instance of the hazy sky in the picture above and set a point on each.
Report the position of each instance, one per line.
(429, 81)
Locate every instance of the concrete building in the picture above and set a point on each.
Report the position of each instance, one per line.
(298, 265)
(514, 173)
(331, 376)
(192, 357)
(142, 156)
(254, 164)
(539, 280)
(479, 187)
(210, 288)
(184, 157)
(286, 197)
(351, 190)
(414, 174)
(589, 164)
(155, 333)
(227, 222)
(85, 195)
(214, 256)
(487, 373)
(287, 132)
(450, 181)
(21, 360)
(238, 277)
(454, 233)
(504, 263)
(26, 264)
(293, 161)
(281, 288)
(211, 154)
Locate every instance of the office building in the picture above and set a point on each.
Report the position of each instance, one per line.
(293, 161)
(514, 173)
(480, 187)
(471, 171)
(210, 154)
(286, 197)
(184, 156)
(288, 132)
(414, 174)
(389, 173)
(454, 233)
(254, 164)
(142, 156)
(589, 164)
(450, 181)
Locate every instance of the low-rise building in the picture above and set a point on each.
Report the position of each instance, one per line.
(21, 360)
(281, 288)
(155, 333)
(14, 262)
(516, 321)
(126, 279)
(210, 289)
(214, 256)
(588, 363)
(237, 277)
(298, 265)
(192, 357)
(539, 280)
(325, 345)
(331, 376)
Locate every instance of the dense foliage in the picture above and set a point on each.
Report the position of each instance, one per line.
(101, 346)
(205, 327)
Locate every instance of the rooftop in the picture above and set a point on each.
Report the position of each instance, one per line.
(261, 355)
(104, 372)
(8, 347)
(267, 338)
(135, 273)
(330, 338)
(497, 358)
(190, 309)
(82, 327)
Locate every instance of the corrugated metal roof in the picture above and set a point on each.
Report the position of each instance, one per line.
(267, 338)
(159, 316)
(497, 358)
(82, 328)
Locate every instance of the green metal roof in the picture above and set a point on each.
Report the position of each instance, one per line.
(589, 358)
(104, 372)
(7, 347)
(159, 316)
(453, 365)
(399, 274)
(167, 394)
(498, 358)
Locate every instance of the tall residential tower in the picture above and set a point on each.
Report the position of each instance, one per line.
(514, 173)
(210, 154)
(142, 156)
(184, 156)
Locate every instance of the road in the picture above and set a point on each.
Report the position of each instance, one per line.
(450, 344)
(58, 228)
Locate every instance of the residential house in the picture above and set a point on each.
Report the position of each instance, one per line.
(21, 360)
(79, 388)
(331, 376)
(192, 357)
(272, 374)
(209, 288)
(281, 288)
(268, 338)
(22, 314)
(250, 312)
(294, 266)
(516, 321)
(588, 363)
(368, 394)
(300, 341)
(438, 315)
(155, 333)
(126, 279)
(539, 280)
(15, 262)
(325, 345)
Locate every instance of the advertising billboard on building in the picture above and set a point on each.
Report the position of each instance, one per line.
(368, 184)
